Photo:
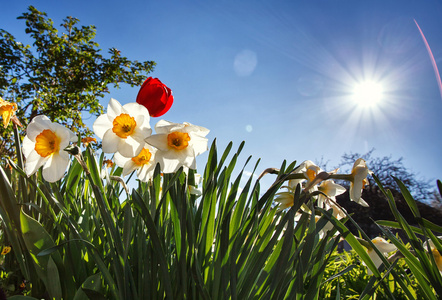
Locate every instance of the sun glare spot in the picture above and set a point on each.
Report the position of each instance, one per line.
(368, 94)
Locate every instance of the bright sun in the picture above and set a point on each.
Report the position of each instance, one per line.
(368, 93)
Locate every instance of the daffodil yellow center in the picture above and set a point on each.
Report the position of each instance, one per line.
(365, 182)
(311, 174)
(47, 143)
(124, 125)
(178, 140)
(437, 258)
(143, 158)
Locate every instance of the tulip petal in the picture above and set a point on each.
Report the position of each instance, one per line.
(155, 96)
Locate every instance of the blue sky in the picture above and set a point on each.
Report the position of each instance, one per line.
(280, 74)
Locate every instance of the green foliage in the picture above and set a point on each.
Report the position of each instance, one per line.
(86, 237)
(346, 272)
(62, 75)
(161, 241)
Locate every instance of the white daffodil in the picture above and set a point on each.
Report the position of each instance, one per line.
(43, 146)
(314, 175)
(285, 200)
(310, 172)
(358, 180)
(338, 212)
(331, 189)
(435, 252)
(384, 247)
(143, 163)
(123, 128)
(178, 144)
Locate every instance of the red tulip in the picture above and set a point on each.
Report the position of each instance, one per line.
(155, 96)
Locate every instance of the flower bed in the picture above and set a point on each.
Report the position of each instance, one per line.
(73, 230)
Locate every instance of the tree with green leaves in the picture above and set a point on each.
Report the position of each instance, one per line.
(62, 75)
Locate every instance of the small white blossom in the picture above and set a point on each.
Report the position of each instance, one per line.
(384, 247)
(123, 128)
(143, 163)
(178, 144)
(43, 146)
(359, 179)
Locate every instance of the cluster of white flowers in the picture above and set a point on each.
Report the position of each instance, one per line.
(125, 131)
(313, 179)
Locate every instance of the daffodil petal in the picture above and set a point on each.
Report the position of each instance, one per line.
(169, 165)
(120, 160)
(129, 147)
(55, 167)
(33, 162)
(129, 167)
(376, 260)
(64, 134)
(199, 144)
(134, 109)
(37, 125)
(185, 157)
(28, 146)
(201, 131)
(140, 134)
(102, 125)
(383, 245)
(165, 127)
(159, 141)
(110, 142)
(145, 172)
(114, 109)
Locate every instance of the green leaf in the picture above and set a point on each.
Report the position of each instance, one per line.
(156, 243)
(56, 247)
(37, 239)
(92, 286)
(54, 285)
